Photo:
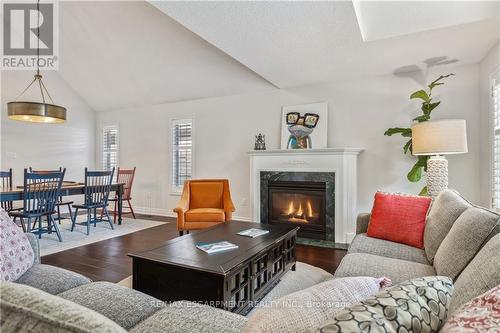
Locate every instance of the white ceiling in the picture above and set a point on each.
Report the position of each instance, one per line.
(124, 54)
(302, 43)
(383, 19)
(127, 54)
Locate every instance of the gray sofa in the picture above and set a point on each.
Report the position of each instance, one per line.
(51, 299)
(461, 241)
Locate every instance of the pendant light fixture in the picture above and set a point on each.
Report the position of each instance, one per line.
(37, 112)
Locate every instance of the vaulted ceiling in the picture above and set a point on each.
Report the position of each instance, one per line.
(123, 54)
(302, 43)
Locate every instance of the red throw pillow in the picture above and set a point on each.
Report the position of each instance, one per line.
(482, 314)
(399, 218)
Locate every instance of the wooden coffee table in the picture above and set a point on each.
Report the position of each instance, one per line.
(234, 280)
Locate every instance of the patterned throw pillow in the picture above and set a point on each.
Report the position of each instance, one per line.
(418, 305)
(16, 254)
(482, 314)
(303, 310)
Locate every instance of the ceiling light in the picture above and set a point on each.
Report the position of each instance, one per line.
(37, 112)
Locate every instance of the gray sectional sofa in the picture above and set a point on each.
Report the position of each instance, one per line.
(461, 241)
(51, 299)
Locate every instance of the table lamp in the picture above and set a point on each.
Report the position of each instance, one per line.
(436, 139)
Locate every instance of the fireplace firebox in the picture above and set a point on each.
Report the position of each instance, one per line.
(300, 203)
(302, 198)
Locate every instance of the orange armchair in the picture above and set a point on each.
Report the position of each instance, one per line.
(204, 203)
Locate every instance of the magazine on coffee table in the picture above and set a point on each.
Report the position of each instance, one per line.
(253, 232)
(216, 246)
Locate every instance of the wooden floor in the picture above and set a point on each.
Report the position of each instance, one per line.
(107, 260)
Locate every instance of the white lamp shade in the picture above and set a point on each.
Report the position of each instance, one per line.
(439, 137)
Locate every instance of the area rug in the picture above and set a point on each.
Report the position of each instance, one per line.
(127, 282)
(50, 244)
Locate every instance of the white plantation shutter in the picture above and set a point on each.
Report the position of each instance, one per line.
(182, 152)
(495, 98)
(109, 147)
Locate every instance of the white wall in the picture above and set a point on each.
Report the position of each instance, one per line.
(360, 112)
(47, 146)
(489, 65)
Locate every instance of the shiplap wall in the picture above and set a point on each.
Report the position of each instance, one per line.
(47, 146)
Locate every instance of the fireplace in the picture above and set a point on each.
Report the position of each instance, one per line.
(335, 167)
(301, 198)
(300, 203)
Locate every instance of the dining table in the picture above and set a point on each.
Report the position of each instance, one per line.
(67, 188)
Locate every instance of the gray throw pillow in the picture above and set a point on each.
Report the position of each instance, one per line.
(464, 240)
(26, 309)
(418, 305)
(482, 274)
(303, 310)
(445, 210)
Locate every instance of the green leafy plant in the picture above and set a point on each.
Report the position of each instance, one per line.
(428, 105)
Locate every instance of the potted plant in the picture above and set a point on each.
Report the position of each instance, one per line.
(428, 105)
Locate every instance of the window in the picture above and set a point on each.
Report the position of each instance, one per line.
(182, 152)
(109, 147)
(495, 99)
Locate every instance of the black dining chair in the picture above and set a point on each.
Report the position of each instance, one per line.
(40, 195)
(60, 201)
(6, 183)
(96, 193)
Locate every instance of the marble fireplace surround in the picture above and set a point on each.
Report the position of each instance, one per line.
(342, 162)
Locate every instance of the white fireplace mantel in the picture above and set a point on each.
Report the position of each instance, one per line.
(341, 161)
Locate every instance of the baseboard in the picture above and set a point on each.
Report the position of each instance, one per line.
(242, 219)
(349, 237)
(154, 211)
(170, 213)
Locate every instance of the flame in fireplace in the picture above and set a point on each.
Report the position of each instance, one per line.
(290, 208)
(303, 213)
(299, 211)
(309, 209)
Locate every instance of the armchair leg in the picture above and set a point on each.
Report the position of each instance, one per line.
(181, 233)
